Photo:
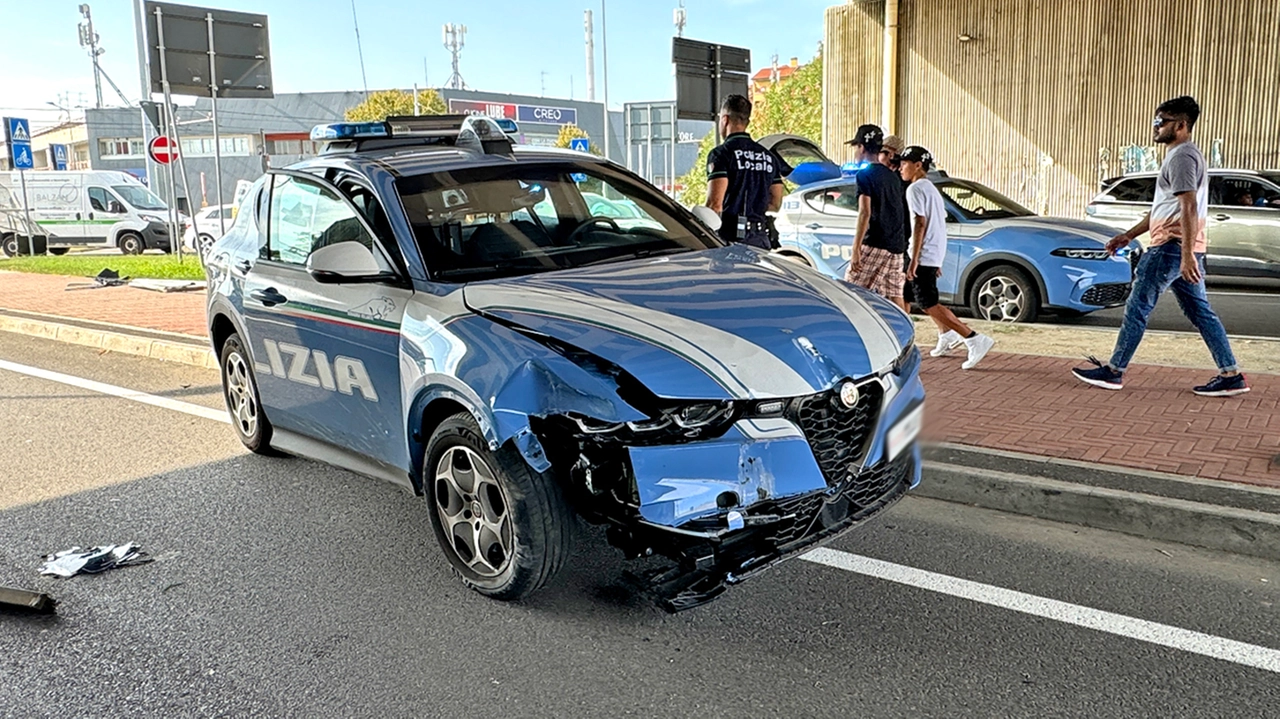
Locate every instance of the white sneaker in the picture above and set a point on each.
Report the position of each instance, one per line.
(979, 346)
(947, 341)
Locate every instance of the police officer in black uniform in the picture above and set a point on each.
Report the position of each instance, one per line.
(743, 178)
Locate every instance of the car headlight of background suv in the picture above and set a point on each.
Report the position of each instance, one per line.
(1081, 254)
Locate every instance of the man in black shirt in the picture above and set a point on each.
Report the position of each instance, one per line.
(743, 180)
(880, 247)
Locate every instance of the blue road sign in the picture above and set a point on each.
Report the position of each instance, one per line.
(18, 134)
(59, 156)
(580, 144)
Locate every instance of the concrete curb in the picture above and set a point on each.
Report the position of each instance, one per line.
(1232, 526)
(196, 355)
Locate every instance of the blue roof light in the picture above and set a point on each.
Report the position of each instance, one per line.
(349, 131)
(508, 125)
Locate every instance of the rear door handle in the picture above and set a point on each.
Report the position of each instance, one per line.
(1221, 217)
(78, 216)
(269, 297)
(813, 226)
(244, 266)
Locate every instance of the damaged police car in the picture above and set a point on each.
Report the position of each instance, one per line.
(428, 303)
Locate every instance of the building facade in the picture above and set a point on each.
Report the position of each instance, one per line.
(1042, 100)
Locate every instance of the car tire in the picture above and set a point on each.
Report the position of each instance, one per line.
(505, 528)
(131, 243)
(203, 243)
(9, 244)
(240, 391)
(1004, 294)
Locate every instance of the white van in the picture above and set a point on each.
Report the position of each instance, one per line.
(94, 207)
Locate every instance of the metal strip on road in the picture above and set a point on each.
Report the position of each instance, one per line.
(1208, 645)
(121, 392)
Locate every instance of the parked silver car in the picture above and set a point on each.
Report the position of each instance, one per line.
(1244, 217)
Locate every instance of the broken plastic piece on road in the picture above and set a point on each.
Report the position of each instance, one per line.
(26, 601)
(71, 562)
(105, 278)
(168, 285)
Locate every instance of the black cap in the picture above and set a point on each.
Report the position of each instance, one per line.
(869, 136)
(915, 153)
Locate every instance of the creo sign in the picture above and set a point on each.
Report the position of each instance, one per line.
(496, 110)
(547, 115)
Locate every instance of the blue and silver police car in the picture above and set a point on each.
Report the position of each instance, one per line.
(428, 303)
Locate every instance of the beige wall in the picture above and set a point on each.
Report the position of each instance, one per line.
(1041, 99)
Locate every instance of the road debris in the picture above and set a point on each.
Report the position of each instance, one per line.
(168, 285)
(26, 601)
(105, 278)
(71, 562)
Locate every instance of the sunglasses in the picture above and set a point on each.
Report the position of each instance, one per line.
(1162, 121)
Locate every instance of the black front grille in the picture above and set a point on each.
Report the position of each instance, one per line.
(838, 435)
(857, 498)
(1108, 295)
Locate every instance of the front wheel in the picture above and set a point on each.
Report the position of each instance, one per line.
(505, 529)
(240, 390)
(132, 244)
(1004, 294)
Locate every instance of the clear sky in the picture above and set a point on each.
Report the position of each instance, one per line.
(509, 45)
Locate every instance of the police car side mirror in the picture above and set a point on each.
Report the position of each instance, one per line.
(345, 262)
(708, 217)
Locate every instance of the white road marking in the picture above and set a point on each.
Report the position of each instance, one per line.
(1208, 645)
(196, 410)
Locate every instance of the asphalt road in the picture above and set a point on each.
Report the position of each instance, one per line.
(1246, 307)
(284, 588)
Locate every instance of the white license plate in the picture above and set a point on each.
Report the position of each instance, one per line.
(902, 434)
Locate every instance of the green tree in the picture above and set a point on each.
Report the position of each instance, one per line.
(387, 103)
(569, 133)
(793, 106)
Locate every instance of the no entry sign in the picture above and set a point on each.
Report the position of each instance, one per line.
(162, 150)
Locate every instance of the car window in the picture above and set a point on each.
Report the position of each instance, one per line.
(1234, 191)
(975, 201)
(487, 222)
(1133, 189)
(841, 200)
(215, 214)
(99, 199)
(306, 216)
(796, 151)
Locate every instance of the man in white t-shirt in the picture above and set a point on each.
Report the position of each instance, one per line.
(928, 250)
(1174, 260)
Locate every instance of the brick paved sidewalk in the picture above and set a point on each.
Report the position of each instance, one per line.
(181, 312)
(1016, 402)
(1031, 404)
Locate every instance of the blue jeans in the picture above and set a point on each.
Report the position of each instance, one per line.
(1158, 270)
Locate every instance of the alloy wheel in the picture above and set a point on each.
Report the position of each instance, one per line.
(474, 512)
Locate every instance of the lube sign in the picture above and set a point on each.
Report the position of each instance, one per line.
(538, 114)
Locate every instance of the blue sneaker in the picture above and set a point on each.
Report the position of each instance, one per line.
(1100, 375)
(1223, 386)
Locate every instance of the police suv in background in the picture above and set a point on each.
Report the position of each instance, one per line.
(428, 304)
(1003, 261)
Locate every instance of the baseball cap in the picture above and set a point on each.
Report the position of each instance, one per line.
(915, 153)
(869, 136)
(893, 144)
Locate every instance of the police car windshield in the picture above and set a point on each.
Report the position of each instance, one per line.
(486, 222)
(976, 201)
(139, 197)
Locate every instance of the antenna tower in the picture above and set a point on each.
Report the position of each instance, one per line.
(454, 39)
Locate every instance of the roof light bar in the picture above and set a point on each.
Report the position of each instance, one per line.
(349, 131)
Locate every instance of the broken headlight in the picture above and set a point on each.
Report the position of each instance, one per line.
(679, 423)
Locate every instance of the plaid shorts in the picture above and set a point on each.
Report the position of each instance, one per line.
(882, 272)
